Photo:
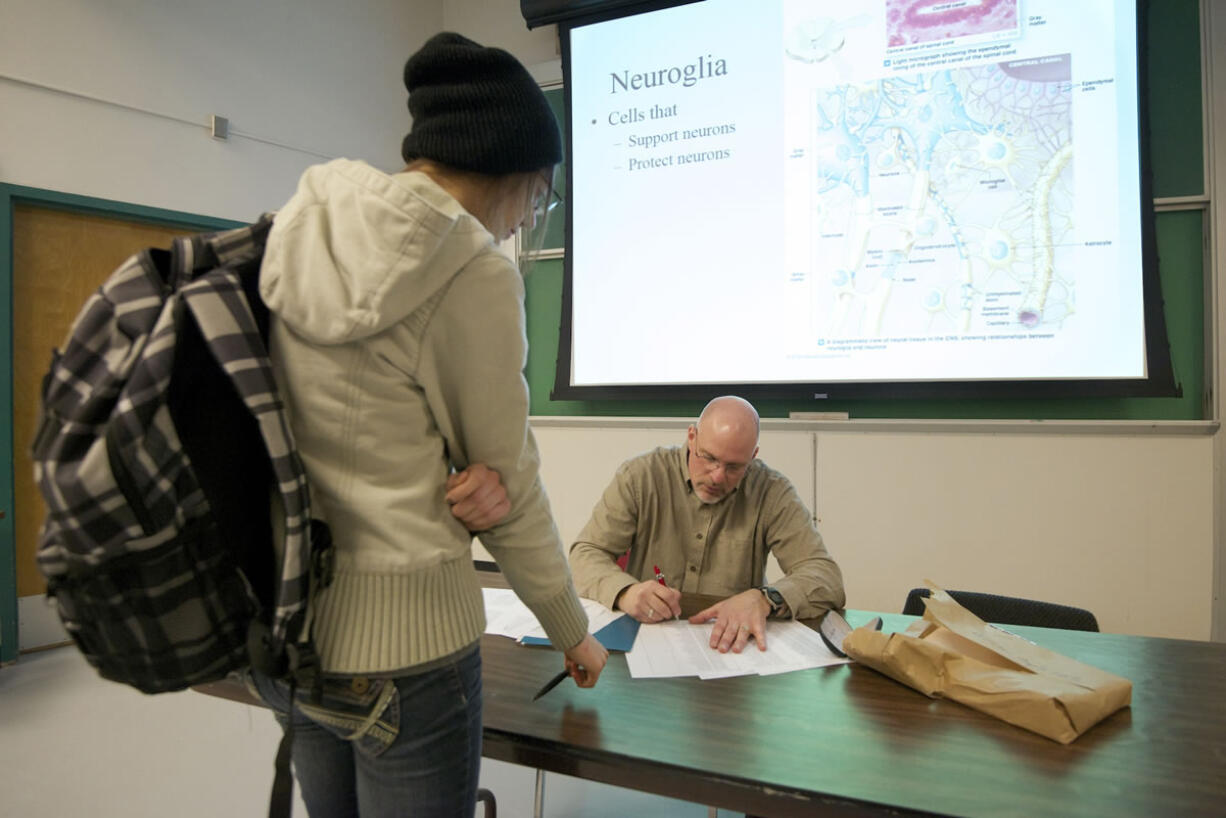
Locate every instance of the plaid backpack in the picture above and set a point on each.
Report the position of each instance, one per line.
(163, 447)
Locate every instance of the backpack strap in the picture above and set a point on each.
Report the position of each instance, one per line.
(221, 270)
(280, 803)
(219, 305)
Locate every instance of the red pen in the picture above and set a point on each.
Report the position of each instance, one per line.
(659, 576)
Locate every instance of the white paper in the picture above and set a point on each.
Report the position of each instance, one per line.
(507, 615)
(678, 648)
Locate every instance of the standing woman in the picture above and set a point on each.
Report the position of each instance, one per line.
(398, 340)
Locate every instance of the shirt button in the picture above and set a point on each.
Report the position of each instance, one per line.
(698, 536)
(693, 569)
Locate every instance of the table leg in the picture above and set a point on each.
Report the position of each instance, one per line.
(538, 797)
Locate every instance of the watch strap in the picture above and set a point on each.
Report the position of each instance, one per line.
(773, 598)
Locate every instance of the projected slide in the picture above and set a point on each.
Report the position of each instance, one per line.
(831, 191)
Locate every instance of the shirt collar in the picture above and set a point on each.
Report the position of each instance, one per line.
(683, 466)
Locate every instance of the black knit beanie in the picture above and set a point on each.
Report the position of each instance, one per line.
(477, 108)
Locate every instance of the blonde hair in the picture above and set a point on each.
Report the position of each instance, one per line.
(484, 196)
(533, 240)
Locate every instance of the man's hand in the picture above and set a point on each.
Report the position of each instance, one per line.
(736, 619)
(585, 661)
(649, 602)
(477, 497)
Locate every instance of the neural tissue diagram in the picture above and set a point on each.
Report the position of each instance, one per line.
(944, 201)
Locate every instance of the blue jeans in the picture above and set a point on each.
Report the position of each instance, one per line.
(378, 748)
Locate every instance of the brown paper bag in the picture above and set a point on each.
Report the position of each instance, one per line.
(953, 654)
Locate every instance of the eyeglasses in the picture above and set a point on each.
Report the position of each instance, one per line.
(547, 203)
(710, 463)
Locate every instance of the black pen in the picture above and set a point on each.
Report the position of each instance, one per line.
(551, 684)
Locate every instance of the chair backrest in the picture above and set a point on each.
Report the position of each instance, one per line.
(1010, 610)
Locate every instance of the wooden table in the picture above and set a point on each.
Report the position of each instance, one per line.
(847, 741)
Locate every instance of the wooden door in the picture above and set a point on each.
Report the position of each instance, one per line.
(59, 258)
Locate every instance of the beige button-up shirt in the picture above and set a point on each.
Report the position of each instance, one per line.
(651, 509)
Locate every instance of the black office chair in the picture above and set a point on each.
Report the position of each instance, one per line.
(1010, 610)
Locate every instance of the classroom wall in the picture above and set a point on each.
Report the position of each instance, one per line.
(300, 81)
(500, 23)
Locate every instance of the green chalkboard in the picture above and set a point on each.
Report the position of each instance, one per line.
(1175, 115)
(1176, 147)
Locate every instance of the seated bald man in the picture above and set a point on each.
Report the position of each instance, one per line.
(707, 513)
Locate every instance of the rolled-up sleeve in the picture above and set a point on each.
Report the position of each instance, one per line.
(609, 533)
(812, 583)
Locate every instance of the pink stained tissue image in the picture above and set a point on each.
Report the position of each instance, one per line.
(923, 21)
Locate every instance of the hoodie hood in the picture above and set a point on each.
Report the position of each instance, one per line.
(356, 250)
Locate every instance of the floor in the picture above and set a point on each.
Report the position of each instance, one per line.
(73, 744)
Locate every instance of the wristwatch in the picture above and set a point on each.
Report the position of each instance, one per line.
(774, 598)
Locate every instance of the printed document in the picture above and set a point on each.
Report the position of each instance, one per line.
(678, 648)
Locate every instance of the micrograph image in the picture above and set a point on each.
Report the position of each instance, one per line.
(924, 21)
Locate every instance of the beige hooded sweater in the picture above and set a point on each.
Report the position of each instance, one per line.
(398, 341)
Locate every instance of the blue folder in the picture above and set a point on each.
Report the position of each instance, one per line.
(617, 635)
